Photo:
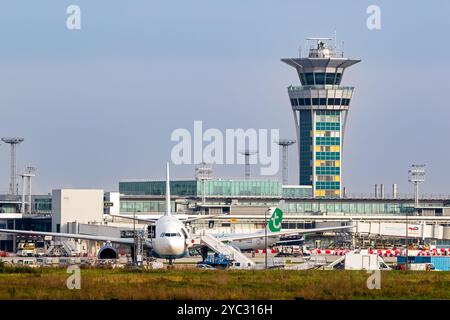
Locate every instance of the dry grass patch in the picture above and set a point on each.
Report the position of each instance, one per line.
(222, 285)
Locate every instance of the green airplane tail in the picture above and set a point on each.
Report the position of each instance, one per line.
(274, 223)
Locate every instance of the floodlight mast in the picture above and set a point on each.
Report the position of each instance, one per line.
(285, 143)
(416, 175)
(13, 141)
(28, 173)
(247, 153)
(203, 172)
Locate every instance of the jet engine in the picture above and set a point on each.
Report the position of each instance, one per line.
(107, 252)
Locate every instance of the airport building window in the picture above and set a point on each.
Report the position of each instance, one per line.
(345, 102)
(330, 78)
(320, 78)
(309, 79)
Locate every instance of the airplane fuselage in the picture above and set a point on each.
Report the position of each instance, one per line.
(170, 238)
(253, 243)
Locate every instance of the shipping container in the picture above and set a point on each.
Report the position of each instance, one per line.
(441, 263)
(414, 259)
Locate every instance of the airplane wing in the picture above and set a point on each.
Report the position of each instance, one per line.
(231, 237)
(69, 235)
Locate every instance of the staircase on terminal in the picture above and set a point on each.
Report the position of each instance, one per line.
(240, 261)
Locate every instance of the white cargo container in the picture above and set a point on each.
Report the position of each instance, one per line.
(364, 261)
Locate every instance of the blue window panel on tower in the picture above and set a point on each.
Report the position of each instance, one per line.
(306, 154)
(328, 170)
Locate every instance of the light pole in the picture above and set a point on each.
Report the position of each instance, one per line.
(416, 175)
(134, 236)
(265, 238)
(406, 244)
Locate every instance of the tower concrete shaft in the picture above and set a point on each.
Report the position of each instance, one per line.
(285, 143)
(13, 186)
(320, 107)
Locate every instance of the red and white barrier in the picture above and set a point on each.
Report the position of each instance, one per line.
(384, 252)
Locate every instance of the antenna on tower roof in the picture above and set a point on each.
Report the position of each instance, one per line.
(335, 41)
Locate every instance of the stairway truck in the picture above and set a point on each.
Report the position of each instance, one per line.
(364, 261)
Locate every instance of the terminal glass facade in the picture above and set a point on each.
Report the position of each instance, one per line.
(213, 187)
(297, 192)
(129, 206)
(240, 188)
(349, 207)
(42, 205)
(298, 206)
(158, 188)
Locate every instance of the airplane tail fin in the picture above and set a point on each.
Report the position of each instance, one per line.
(168, 211)
(274, 223)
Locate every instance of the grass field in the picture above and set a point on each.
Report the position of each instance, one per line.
(221, 284)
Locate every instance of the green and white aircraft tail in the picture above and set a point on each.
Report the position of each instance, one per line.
(274, 223)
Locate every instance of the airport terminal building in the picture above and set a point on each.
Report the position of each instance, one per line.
(224, 194)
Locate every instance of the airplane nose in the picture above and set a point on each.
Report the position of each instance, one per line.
(174, 247)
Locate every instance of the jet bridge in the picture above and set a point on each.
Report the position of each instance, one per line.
(240, 261)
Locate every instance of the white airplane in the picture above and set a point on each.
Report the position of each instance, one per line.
(256, 240)
(172, 239)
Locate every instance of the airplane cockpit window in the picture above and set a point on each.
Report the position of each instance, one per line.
(170, 234)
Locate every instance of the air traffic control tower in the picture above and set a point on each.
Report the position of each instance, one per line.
(320, 106)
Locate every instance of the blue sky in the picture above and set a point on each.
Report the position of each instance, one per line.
(98, 105)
